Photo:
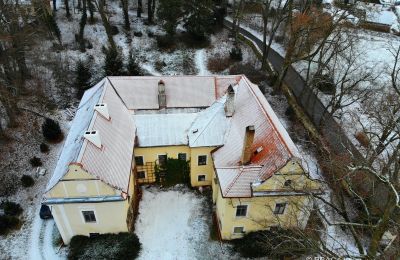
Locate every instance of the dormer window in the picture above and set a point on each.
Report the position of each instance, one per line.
(93, 136)
(102, 109)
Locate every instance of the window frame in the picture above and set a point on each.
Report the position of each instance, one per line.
(237, 208)
(142, 160)
(166, 158)
(185, 156)
(198, 177)
(145, 175)
(280, 210)
(238, 233)
(83, 211)
(198, 160)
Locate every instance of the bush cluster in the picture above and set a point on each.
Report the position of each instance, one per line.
(44, 148)
(9, 220)
(275, 243)
(236, 54)
(51, 130)
(119, 246)
(165, 42)
(27, 181)
(218, 64)
(35, 161)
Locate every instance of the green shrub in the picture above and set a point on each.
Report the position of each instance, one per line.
(275, 243)
(51, 130)
(44, 148)
(236, 54)
(35, 162)
(8, 223)
(27, 181)
(11, 208)
(107, 246)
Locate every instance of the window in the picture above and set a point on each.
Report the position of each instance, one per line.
(201, 177)
(279, 208)
(139, 160)
(241, 211)
(202, 160)
(89, 216)
(238, 230)
(162, 159)
(182, 156)
(141, 174)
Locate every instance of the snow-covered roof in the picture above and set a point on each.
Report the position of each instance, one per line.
(386, 17)
(74, 140)
(163, 129)
(210, 126)
(112, 163)
(271, 139)
(127, 108)
(181, 91)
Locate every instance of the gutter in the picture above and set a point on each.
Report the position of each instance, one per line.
(98, 199)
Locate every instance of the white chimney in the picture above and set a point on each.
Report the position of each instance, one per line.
(93, 137)
(103, 110)
(230, 102)
(162, 98)
(247, 143)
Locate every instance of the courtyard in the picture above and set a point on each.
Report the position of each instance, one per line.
(175, 224)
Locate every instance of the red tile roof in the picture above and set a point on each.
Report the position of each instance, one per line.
(251, 108)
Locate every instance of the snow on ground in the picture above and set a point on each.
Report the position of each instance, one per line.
(35, 238)
(175, 224)
(201, 63)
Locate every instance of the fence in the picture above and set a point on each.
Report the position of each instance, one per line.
(314, 108)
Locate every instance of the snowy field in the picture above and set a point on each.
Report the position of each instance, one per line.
(175, 224)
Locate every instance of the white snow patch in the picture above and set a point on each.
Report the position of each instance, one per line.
(173, 225)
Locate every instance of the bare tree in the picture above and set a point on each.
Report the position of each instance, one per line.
(101, 7)
(127, 24)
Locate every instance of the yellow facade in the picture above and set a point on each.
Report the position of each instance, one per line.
(111, 217)
(150, 159)
(260, 213)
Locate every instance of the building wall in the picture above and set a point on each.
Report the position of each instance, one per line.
(260, 210)
(196, 170)
(150, 155)
(260, 214)
(111, 217)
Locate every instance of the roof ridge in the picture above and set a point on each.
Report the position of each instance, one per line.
(208, 123)
(116, 92)
(269, 118)
(234, 180)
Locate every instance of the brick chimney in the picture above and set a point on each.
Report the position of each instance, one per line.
(230, 102)
(247, 143)
(162, 98)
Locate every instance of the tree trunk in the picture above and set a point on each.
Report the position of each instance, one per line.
(54, 5)
(67, 11)
(91, 10)
(100, 6)
(150, 11)
(139, 8)
(82, 25)
(381, 228)
(124, 4)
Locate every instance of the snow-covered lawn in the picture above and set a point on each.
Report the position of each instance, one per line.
(175, 224)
